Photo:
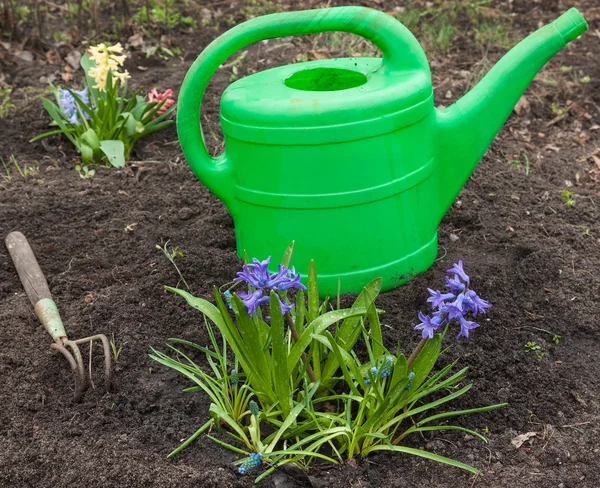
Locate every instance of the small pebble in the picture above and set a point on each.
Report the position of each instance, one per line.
(434, 444)
(185, 213)
(25, 56)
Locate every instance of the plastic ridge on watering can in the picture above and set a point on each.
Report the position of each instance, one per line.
(349, 158)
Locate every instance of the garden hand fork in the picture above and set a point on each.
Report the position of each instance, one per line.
(37, 290)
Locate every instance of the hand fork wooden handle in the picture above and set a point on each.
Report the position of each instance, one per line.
(37, 290)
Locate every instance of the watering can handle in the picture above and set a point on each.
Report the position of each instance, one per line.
(401, 51)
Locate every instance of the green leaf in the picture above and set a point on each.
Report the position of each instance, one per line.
(130, 123)
(92, 140)
(287, 255)
(227, 445)
(115, 152)
(400, 369)
(313, 292)
(202, 305)
(444, 427)
(349, 332)
(148, 129)
(60, 119)
(376, 435)
(138, 110)
(429, 387)
(316, 327)
(51, 133)
(373, 316)
(87, 153)
(206, 386)
(281, 376)
(220, 317)
(291, 418)
(86, 63)
(300, 312)
(338, 354)
(313, 313)
(422, 408)
(223, 415)
(192, 438)
(455, 413)
(424, 454)
(426, 360)
(256, 353)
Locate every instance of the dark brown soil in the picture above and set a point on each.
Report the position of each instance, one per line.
(528, 253)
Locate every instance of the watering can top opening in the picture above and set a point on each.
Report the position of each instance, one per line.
(325, 101)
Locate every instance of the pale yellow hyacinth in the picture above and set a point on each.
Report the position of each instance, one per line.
(107, 59)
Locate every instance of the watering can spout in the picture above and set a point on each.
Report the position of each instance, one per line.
(467, 128)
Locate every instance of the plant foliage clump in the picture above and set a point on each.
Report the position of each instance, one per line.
(286, 382)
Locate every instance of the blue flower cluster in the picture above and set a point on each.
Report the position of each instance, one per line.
(69, 106)
(252, 462)
(454, 304)
(253, 406)
(257, 276)
(228, 296)
(386, 370)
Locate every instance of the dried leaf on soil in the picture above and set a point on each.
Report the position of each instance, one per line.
(522, 438)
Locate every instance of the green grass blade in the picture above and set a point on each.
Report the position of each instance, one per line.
(220, 317)
(400, 369)
(258, 357)
(281, 377)
(375, 325)
(434, 378)
(313, 293)
(291, 418)
(426, 455)
(204, 306)
(191, 439)
(455, 413)
(426, 360)
(337, 351)
(58, 117)
(429, 406)
(227, 446)
(444, 427)
(307, 453)
(447, 383)
(349, 332)
(287, 255)
(171, 363)
(300, 312)
(51, 133)
(223, 415)
(317, 326)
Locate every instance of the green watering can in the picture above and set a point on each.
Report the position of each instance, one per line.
(349, 158)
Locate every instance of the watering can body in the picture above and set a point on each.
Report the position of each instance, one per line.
(348, 157)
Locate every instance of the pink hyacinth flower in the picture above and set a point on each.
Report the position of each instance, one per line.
(155, 96)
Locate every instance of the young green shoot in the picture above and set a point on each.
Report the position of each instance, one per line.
(172, 253)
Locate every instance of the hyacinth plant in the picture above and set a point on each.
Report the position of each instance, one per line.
(291, 364)
(104, 120)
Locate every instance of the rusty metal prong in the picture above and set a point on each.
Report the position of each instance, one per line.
(107, 357)
(77, 371)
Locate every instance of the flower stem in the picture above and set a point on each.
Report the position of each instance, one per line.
(415, 353)
(296, 337)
